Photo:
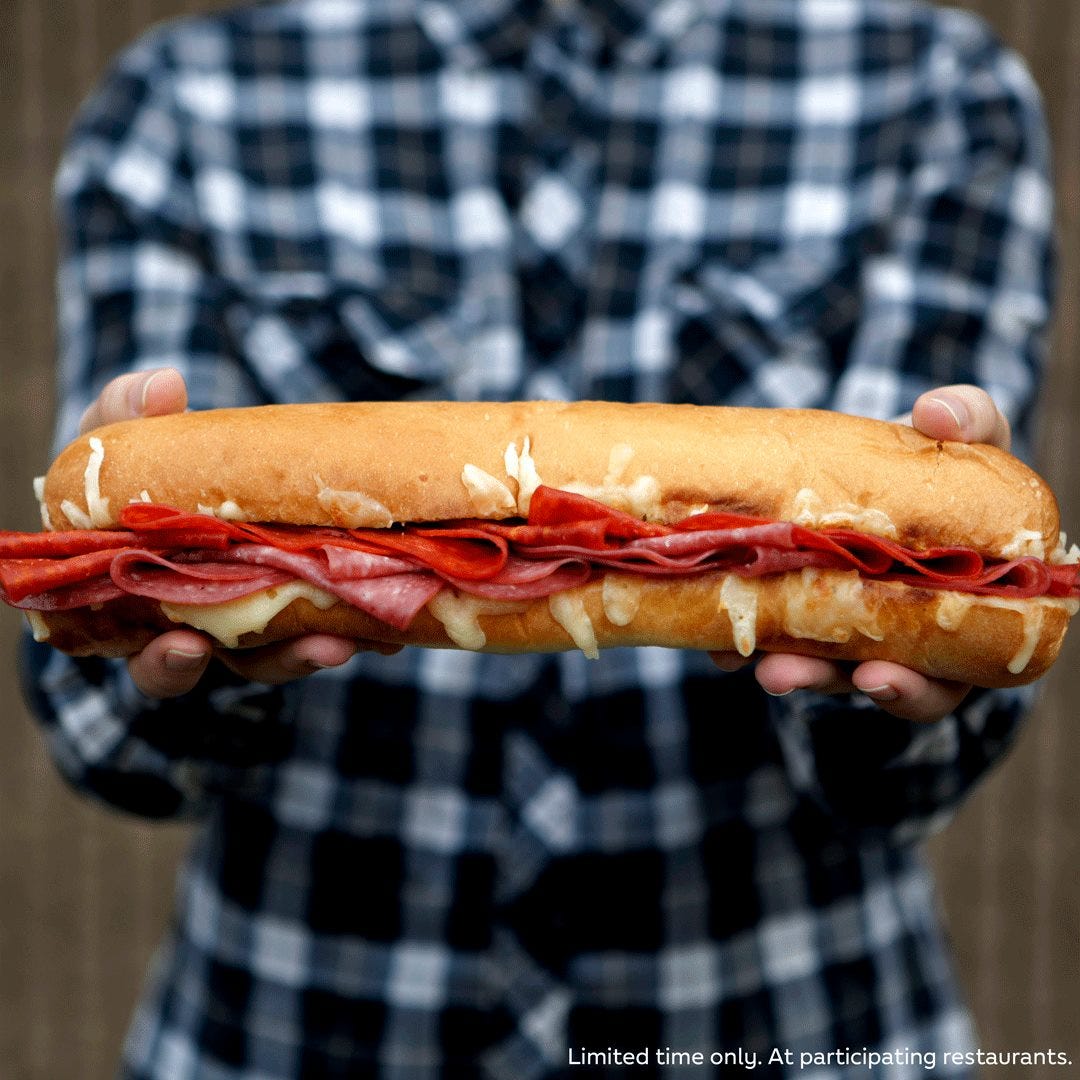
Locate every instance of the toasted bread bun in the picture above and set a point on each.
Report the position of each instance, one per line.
(831, 614)
(369, 464)
(376, 464)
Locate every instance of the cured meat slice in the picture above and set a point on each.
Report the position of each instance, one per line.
(350, 564)
(195, 558)
(144, 573)
(68, 597)
(24, 577)
(58, 545)
(393, 598)
(529, 579)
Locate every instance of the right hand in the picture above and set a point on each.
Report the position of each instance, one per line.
(174, 662)
(960, 413)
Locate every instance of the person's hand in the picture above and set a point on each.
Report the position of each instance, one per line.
(960, 414)
(142, 393)
(174, 662)
(952, 413)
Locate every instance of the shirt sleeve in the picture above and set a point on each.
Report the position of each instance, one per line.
(136, 292)
(960, 287)
(961, 293)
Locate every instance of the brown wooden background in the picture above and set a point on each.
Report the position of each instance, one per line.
(84, 893)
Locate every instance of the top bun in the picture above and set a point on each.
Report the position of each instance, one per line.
(377, 463)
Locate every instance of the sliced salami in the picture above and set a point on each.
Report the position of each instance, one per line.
(395, 600)
(144, 573)
(391, 573)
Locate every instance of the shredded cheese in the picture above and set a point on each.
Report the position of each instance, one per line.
(39, 494)
(97, 507)
(951, 609)
(1032, 625)
(1062, 556)
(37, 625)
(568, 610)
(489, 496)
(739, 598)
(78, 517)
(620, 595)
(229, 511)
(460, 616)
(640, 497)
(1026, 543)
(522, 468)
(353, 509)
(809, 510)
(96, 514)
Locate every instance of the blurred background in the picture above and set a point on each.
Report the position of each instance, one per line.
(84, 893)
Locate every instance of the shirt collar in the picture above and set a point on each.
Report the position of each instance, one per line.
(503, 29)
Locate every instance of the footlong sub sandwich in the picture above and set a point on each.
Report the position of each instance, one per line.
(541, 526)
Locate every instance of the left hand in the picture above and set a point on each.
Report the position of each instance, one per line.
(174, 662)
(951, 413)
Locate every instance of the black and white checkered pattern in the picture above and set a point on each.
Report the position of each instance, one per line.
(453, 865)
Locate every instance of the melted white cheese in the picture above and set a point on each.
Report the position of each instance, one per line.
(522, 468)
(78, 517)
(39, 494)
(227, 511)
(640, 497)
(568, 610)
(739, 598)
(952, 607)
(489, 496)
(460, 616)
(352, 509)
(37, 625)
(230, 511)
(1032, 625)
(829, 609)
(809, 510)
(1063, 555)
(96, 514)
(1026, 543)
(621, 596)
(96, 506)
(229, 621)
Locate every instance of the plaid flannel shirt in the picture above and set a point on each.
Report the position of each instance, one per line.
(442, 864)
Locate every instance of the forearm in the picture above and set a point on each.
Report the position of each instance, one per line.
(155, 758)
(872, 771)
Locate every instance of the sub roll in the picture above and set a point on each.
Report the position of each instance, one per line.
(542, 526)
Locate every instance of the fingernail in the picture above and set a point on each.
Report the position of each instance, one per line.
(881, 693)
(778, 693)
(318, 666)
(179, 660)
(956, 409)
(146, 391)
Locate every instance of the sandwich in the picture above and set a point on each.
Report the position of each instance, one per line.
(543, 526)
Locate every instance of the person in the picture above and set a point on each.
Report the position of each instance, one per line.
(434, 864)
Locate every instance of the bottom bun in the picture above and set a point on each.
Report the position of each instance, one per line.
(987, 641)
